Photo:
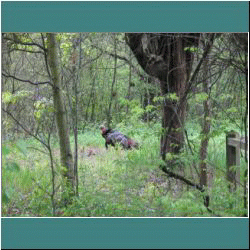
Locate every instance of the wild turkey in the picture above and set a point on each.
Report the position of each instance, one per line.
(113, 136)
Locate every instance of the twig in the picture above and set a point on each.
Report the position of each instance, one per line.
(17, 41)
(25, 129)
(28, 81)
(29, 51)
(37, 149)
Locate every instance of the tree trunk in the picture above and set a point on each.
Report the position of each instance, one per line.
(174, 112)
(75, 112)
(205, 130)
(112, 94)
(207, 123)
(62, 126)
(164, 56)
(129, 80)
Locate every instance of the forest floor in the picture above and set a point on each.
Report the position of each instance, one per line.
(112, 183)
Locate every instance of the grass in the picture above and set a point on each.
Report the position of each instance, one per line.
(112, 183)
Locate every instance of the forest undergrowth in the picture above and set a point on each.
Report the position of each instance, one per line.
(115, 182)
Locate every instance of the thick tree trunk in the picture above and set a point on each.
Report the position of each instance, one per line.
(164, 56)
(174, 110)
(62, 127)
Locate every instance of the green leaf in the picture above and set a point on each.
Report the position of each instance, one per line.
(149, 108)
(50, 109)
(170, 156)
(37, 115)
(7, 97)
(169, 96)
(158, 99)
(123, 101)
(172, 96)
(192, 49)
(200, 97)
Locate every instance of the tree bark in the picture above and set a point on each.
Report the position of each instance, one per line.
(62, 126)
(164, 56)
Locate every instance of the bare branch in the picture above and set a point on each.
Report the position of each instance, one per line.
(28, 81)
(28, 51)
(122, 58)
(46, 57)
(182, 178)
(18, 41)
(188, 182)
(206, 51)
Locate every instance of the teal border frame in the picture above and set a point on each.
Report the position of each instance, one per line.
(131, 16)
(140, 233)
(125, 233)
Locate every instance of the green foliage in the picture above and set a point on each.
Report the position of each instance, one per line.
(171, 156)
(232, 110)
(43, 106)
(200, 97)
(193, 49)
(7, 97)
(135, 110)
(24, 182)
(113, 182)
(169, 96)
(230, 204)
(150, 108)
(10, 98)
